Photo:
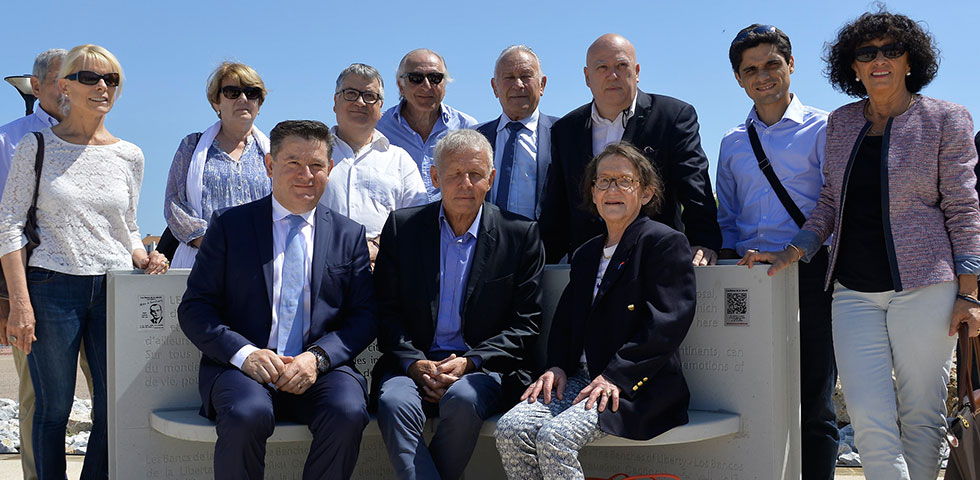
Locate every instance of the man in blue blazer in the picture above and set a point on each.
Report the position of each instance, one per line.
(521, 137)
(280, 301)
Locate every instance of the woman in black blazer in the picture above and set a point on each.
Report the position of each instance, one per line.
(628, 305)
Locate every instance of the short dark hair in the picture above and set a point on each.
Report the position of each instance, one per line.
(649, 177)
(306, 129)
(920, 45)
(755, 35)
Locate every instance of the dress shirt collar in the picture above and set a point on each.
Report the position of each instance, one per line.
(45, 117)
(280, 212)
(443, 111)
(530, 122)
(795, 113)
(378, 142)
(474, 227)
(619, 118)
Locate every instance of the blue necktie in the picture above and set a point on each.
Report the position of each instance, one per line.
(507, 165)
(290, 311)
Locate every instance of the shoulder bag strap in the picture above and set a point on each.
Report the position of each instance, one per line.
(777, 186)
(38, 163)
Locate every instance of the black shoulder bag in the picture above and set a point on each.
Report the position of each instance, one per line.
(30, 224)
(777, 186)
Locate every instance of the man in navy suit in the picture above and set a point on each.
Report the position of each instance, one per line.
(521, 137)
(280, 301)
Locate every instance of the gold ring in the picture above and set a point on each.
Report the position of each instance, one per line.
(608, 392)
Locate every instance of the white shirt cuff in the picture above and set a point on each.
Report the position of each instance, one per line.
(239, 357)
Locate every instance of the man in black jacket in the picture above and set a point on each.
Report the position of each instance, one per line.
(663, 128)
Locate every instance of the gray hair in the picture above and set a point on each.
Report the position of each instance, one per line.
(461, 140)
(42, 64)
(361, 70)
(516, 48)
(401, 64)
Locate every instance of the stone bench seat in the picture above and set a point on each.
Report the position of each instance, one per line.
(187, 424)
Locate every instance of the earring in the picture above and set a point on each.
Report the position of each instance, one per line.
(857, 78)
(907, 74)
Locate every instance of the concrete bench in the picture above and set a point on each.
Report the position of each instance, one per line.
(186, 424)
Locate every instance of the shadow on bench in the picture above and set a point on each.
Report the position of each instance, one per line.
(186, 424)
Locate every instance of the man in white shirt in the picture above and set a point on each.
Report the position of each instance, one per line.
(521, 137)
(44, 83)
(371, 177)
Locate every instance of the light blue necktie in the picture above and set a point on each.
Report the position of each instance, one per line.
(507, 165)
(290, 312)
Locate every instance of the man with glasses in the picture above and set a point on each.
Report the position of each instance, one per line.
(769, 180)
(663, 128)
(421, 118)
(521, 137)
(370, 176)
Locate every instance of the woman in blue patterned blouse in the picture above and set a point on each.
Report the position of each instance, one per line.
(221, 167)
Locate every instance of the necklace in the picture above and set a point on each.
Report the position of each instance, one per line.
(867, 115)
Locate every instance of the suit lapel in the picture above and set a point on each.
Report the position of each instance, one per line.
(543, 160)
(486, 244)
(429, 258)
(320, 236)
(585, 140)
(263, 240)
(489, 130)
(623, 254)
(639, 118)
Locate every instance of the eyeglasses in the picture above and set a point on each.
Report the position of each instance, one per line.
(761, 29)
(869, 53)
(352, 94)
(232, 92)
(86, 77)
(416, 78)
(624, 183)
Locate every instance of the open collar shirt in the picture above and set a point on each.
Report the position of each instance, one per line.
(605, 131)
(11, 133)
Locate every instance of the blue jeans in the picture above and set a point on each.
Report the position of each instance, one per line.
(69, 310)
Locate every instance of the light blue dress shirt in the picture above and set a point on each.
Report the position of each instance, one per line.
(749, 212)
(393, 126)
(524, 176)
(455, 260)
(11, 133)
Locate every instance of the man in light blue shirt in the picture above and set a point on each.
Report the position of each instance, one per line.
(420, 119)
(44, 84)
(521, 137)
(753, 217)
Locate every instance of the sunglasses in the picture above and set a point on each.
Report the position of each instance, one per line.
(416, 78)
(352, 94)
(761, 29)
(86, 77)
(624, 183)
(867, 54)
(232, 92)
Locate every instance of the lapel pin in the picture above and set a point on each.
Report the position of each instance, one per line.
(630, 307)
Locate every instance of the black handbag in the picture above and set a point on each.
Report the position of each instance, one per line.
(964, 431)
(30, 224)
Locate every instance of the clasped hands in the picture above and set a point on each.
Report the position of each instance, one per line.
(287, 374)
(434, 378)
(601, 391)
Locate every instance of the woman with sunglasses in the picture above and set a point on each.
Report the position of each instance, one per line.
(87, 195)
(613, 346)
(221, 167)
(899, 200)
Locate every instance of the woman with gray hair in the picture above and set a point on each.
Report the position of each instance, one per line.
(224, 166)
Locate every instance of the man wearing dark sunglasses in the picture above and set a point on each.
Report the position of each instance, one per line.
(421, 118)
(663, 128)
(763, 199)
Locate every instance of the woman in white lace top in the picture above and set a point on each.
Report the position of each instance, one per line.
(86, 220)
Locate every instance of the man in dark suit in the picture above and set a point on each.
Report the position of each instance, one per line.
(521, 137)
(280, 301)
(458, 285)
(663, 128)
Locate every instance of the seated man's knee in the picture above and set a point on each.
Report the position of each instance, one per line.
(253, 417)
(394, 404)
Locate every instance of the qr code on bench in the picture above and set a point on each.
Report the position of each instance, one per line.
(737, 306)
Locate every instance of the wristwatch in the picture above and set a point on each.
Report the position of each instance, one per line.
(322, 361)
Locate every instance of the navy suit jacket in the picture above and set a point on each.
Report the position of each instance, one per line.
(228, 302)
(665, 129)
(489, 130)
(501, 315)
(631, 332)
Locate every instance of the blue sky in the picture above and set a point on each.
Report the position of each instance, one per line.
(168, 48)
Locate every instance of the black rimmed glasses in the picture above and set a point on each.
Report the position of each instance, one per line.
(232, 92)
(869, 53)
(352, 94)
(86, 77)
(416, 78)
(624, 183)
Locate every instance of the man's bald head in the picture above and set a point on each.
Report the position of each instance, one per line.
(613, 75)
